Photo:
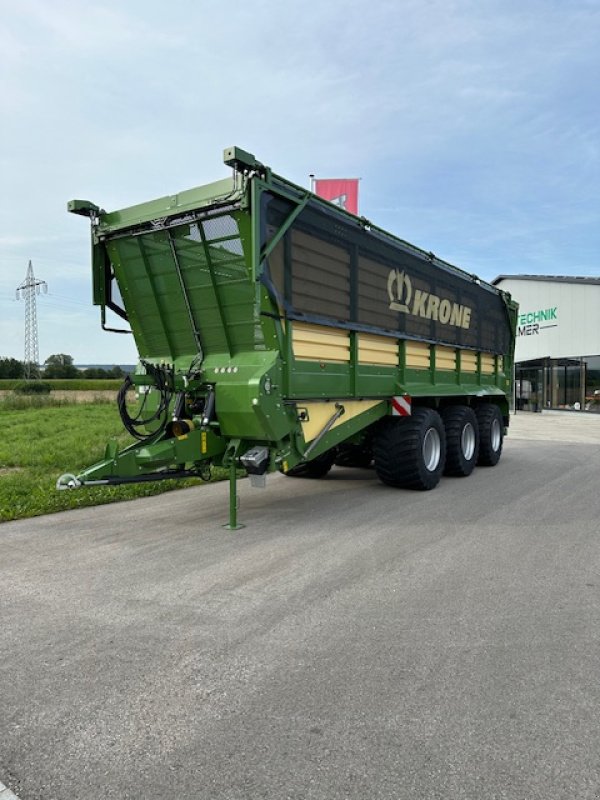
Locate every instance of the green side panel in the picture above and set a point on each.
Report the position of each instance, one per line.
(187, 289)
(248, 402)
(309, 380)
(373, 381)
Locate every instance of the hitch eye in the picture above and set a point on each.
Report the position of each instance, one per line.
(67, 481)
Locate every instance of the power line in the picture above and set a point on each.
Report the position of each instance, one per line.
(63, 299)
(27, 291)
(55, 299)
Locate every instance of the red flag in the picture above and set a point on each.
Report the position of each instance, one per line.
(343, 192)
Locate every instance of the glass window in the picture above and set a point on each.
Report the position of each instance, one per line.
(566, 383)
(592, 383)
(528, 388)
(573, 385)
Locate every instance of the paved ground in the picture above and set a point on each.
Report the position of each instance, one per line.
(556, 426)
(351, 642)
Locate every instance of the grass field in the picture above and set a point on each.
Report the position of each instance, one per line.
(41, 440)
(70, 384)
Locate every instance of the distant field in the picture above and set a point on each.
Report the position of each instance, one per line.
(71, 384)
(42, 441)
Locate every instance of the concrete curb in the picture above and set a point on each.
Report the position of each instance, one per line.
(6, 794)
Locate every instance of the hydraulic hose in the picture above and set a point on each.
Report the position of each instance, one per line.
(134, 424)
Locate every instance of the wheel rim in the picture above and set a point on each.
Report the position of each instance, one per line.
(496, 435)
(467, 441)
(431, 449)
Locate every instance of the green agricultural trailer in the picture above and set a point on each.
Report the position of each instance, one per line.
(277, 332)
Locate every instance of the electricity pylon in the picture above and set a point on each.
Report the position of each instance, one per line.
(27, 291)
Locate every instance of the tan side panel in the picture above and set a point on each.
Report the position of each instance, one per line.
(319, 343)
(374, 349)
(445, 358)
(319, 414)
(488, 364)
(468, 361)
(417, 355)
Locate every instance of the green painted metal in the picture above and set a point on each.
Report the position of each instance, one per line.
(233, 524)
(206, 280)
(228, 191)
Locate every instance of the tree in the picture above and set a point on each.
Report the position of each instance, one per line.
(60, 365)
(11, 368)
(100, 372)
(92, 373)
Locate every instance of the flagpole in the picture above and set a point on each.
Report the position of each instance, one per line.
(312, 182)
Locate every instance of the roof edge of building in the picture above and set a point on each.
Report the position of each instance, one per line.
(590, 280)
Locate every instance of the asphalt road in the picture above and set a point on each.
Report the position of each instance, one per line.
(353, 641)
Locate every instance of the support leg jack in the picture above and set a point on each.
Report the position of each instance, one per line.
(233, 523)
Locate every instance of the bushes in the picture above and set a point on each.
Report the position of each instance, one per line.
(11, 368)
(32, 387)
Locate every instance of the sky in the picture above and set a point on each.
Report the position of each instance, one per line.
(474, 126)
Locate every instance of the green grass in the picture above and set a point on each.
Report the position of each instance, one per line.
(18, 402)
(40, 442)
(71, 384)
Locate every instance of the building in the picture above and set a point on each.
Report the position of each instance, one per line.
(558, 341)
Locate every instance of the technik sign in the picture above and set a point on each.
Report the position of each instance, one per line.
(530, 324)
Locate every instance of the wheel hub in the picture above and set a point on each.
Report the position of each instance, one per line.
(467, 441)
(495, 435)
(431, 449)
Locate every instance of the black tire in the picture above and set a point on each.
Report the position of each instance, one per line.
(317, 468)
(462, 440)
(410, 452)
(354, 455)
(491, 434)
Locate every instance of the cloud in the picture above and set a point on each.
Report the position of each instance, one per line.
(474, 126)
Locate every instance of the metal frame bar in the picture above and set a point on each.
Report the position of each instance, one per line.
(195, 331)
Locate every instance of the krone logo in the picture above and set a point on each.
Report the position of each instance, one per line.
(426, 304)
(399, 290)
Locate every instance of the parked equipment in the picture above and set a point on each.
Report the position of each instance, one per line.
(278, 332)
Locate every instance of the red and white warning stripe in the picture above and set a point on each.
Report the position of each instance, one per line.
(401, 405)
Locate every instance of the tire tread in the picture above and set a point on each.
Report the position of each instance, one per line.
(455, 418)
(486, 414)
(397, 451)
